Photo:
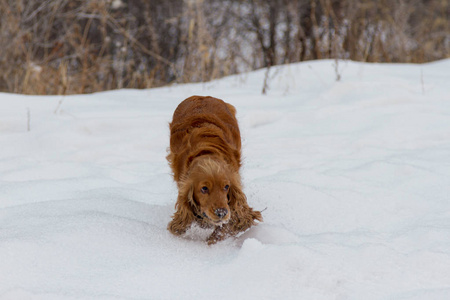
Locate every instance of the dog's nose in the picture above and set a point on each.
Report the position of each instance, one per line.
(221, 212)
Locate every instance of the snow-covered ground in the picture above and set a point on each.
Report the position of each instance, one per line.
(355, 176)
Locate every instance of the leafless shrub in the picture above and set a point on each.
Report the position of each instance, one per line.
(73, 46)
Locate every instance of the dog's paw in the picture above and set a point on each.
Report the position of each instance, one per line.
(219, 234)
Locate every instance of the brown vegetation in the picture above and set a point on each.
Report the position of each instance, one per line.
(73, 46)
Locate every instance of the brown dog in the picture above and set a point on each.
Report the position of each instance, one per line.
(205, 157)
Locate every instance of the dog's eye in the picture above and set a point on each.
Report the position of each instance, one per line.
(226, 187)
(204, 190)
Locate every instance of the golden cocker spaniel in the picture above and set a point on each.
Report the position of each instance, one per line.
(205, 157)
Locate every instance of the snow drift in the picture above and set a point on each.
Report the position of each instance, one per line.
(354, 174)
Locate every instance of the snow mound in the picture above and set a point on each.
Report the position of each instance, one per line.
(354, 175)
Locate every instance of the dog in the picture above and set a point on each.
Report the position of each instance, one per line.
(205, 157)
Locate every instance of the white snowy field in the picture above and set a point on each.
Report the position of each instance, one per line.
(355, 176)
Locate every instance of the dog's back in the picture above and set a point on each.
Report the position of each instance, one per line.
(201, 126)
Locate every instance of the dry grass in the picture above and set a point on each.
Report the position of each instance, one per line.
(67, 47)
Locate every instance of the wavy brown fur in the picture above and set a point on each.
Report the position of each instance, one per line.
(205, 148)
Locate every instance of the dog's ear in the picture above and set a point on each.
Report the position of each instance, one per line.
(243, 216)
(235, 194)
(186, 193)
(183, 216)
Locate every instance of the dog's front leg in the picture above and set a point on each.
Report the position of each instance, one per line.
(219, 234)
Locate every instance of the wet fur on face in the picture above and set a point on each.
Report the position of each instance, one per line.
(204, 155)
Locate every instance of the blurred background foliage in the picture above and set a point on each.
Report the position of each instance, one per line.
(72, 46)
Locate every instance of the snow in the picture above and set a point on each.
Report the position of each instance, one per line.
(354, 175)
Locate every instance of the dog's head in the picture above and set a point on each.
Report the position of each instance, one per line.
(210, 186)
